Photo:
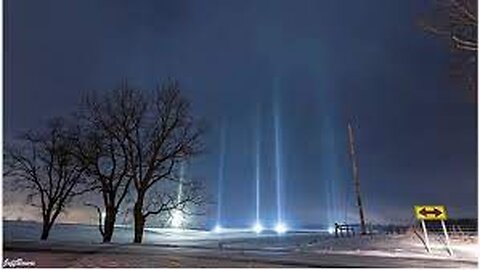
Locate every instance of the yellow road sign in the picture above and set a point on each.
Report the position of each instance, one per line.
(431, 212)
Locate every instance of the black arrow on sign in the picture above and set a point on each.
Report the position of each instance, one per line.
(435, 211)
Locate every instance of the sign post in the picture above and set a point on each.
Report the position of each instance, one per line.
(447, 240)
(427, 243)
(433, 212)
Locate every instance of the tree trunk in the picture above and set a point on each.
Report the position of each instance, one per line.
(109, 223)
(139, 225)
(45, 230)
(139, 219)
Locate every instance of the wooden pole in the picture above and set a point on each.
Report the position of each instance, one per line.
(447, 239)
(427, 243)
(356, 178)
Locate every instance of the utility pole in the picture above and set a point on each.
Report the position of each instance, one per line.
(356, 178)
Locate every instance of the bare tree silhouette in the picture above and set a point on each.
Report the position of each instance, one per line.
(456, 21)
(133, 136)
(105, 125)
(44, 165)
(167, 136)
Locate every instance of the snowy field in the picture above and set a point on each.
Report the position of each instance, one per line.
(79, 246)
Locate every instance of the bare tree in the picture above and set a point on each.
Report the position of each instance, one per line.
(456, 21)
(167, 135)
(138, 137)
(107, 123)
(44, 166)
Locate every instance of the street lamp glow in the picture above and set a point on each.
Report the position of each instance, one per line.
(217, 228)
(103, 216)
(258, 228)
(177, 219)
(280, 228)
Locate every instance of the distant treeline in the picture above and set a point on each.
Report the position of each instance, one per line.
(463, 224)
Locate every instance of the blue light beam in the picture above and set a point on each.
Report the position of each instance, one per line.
(221, 173)
(257, 227)
(280, 226)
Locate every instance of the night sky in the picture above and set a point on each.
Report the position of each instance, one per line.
(323, 62)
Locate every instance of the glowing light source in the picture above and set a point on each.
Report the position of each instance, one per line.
(331, 230)
(280, 228)
(258, 228)
(177, 219)
(103, 216)
(217, 228)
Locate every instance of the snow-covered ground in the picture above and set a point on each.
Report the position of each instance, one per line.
(79, 246)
